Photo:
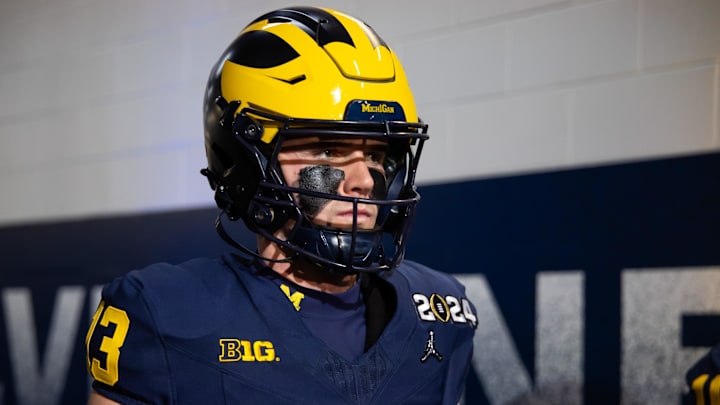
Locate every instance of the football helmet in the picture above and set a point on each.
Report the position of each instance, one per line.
(300, 72)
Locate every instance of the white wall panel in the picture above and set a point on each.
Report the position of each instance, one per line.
(469, 11)
(580, 43)
(94, 92)
(647, 116)
(400, 18)
(508, 135)
(21, 88)
(125, 186)
(441, 146)
(456, 65)
(73, 190)
(25, 143)
(680, 31)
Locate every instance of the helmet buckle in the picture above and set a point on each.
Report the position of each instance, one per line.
(262, 214)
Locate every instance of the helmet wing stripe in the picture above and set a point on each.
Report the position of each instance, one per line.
(261, 49)
(321, 25)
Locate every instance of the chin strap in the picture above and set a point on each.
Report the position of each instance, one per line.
(357, 249)
(336, 251)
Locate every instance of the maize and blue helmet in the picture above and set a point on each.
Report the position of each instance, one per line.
(300, 72)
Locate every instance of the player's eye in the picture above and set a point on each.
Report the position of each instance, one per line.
(376, 155)
(326, 153)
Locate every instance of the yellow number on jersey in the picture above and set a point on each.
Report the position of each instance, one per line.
(110, 345)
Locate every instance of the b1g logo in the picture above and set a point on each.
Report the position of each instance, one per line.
(437, 308)
(232, 350)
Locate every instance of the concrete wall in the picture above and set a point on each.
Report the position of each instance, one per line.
(100, 101)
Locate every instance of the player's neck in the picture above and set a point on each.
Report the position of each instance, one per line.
(310, 276)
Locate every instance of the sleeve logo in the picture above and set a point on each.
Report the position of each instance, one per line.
(437, 308)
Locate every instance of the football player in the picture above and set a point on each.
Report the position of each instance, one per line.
(313, 142)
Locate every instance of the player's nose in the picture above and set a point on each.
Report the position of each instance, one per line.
(358, 180)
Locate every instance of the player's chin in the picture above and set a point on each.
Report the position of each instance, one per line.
(346, 222)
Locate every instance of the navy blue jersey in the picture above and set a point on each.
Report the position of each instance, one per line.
(703, 380)
(213, 331)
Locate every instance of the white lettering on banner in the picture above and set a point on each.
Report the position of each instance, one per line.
(559, 342)
(495, 358)
(22, 344)
(653, 302)
(653, 362)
